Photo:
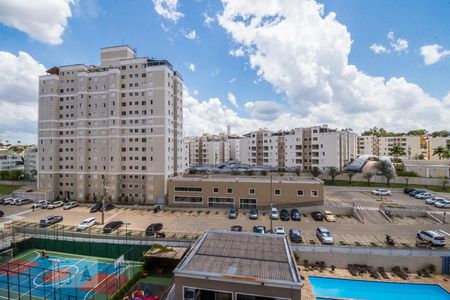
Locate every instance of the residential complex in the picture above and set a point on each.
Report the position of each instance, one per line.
(10, 161)
(245, 192)
(208, 149)
(238, 266)
(114, 129)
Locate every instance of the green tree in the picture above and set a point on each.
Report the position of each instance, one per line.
(368, 176)
(315, 171)
(350, 176)
(4, 175)
(441, 133)
(444, 184)
(384, 167)
(417, 132)
(263, 173)
(16, 175)
(389, 177)
(439, 151)
(396, 151)
(333, 172)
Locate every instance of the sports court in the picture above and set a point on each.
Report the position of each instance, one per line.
(61, 276)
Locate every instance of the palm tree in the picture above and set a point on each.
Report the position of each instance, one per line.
(368, 176)
(440, 152)
(333, 172)
(384, 167)
(350, 176)
(396, 151)
(315, 171)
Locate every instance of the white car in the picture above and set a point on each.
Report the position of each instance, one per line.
(381, 192)
(274, 214)
(434, 238)
(70, 205)
(433, 200)
(40, 204)
(55, 204)
(85, 224)
(280, 230)
(425, 195)
(6, 201)
(442, 204)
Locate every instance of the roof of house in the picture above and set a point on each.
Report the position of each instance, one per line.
(242, 256)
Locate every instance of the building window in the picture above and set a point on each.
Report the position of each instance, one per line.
(229, 190)
(215, 190)
(314, 193)
(247, 203)
(188, 189)
(300, 193)
(187, 199)
(277, 192)
(220, 202)
(252, 191)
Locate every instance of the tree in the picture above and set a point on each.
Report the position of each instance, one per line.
(439, 151)
(384, 167)
(406, 181)
(350, 176)
(263, 172)
(388, 177)
(33, 173)
(417, 132)
(396, 151)
(16, 175)
(368, 176)
(444, 184)
(315, 171)
(333, 172)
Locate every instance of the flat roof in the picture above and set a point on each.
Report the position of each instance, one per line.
(241, 257)
(245, 178)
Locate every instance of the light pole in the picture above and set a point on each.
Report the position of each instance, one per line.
(271, 203)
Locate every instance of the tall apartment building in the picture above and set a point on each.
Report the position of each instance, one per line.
(235, 149)
(209, 149)
(113, 129)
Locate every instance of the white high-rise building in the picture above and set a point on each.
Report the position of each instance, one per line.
(114, 129)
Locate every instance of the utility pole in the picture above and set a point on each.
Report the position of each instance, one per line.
(271, 203)
(103, 200)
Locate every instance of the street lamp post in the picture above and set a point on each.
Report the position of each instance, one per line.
(271, 203)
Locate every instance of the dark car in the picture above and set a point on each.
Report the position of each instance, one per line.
(408, 190)
(232, 214)
(295, 235)
(284, 215)
(253, 214)
(295, 215)
(109, 206)
(259, 229)
(111, 226)
(317, 216)
(49, 220)
(415, 192)
(96, 208)
(237, 228)
(153, 228)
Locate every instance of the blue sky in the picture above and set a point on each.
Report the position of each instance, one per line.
(296, 83)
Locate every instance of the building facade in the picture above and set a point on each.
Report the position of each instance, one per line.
(208, 149)
(113, 130)
(30, 157)
(10, 161)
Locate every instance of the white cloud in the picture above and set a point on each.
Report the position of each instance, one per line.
(19, 96)
(42, 20)
(237, 52)
(215, 73)
(192, 35)
(433, 53)
(304, 52)
(399, 45)
(232, 99)
(207, 20)
(377, 48)
(232, 80)
(191, 67)
(167, 9)
(264, 110)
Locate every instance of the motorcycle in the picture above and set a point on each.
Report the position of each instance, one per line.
(389, 240)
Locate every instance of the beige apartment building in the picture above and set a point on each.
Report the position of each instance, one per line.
(230, 265)
(114, 129)
(245, 192)
(209, 149)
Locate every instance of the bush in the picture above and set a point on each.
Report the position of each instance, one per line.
(403, 173)
(431, 269)
(263, 173)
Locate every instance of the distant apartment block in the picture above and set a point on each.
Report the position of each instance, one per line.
(30, 157)
(10, 161)
(113, 129)
(209, 149)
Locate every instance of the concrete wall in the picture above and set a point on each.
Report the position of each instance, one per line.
(396, 179)
(341, 260)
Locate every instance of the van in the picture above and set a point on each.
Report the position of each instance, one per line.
(85, 224)
(434, 238)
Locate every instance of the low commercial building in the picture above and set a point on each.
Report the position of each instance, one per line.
(238, 266)
(226, 191)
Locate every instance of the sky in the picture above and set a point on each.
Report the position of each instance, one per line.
(249, 64)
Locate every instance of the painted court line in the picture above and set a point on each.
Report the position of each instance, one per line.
(98, 284)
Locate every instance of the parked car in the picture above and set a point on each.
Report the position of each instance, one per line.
(381, 192)
(442, 204)
(279, 230)
(95, 208)
(415, 192)
(111, 226)
(49, 220)
(6, 200)
(433, 200)
(329, 216)
(274, 213)
(295, 235)
(40, 203)
(13, 201)
(87, 223)
(295, 215)
(284, 215)
(259, 229)
(324, 235)
(434, 238)
(70, 205)
(425, 195)
(22, 201)
(237, 228)
(153, 228)
(253, 214)
(55, 204)
(232, 213)
(109, 206)
(2, 200)
(408, 190)
(317, 216)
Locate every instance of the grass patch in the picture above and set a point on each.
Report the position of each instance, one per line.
(208, 212)
(358, 244)
(373, 244)
(312, 242)
(342, 243)
(6, 189)
(217, 212)
(434, 188)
